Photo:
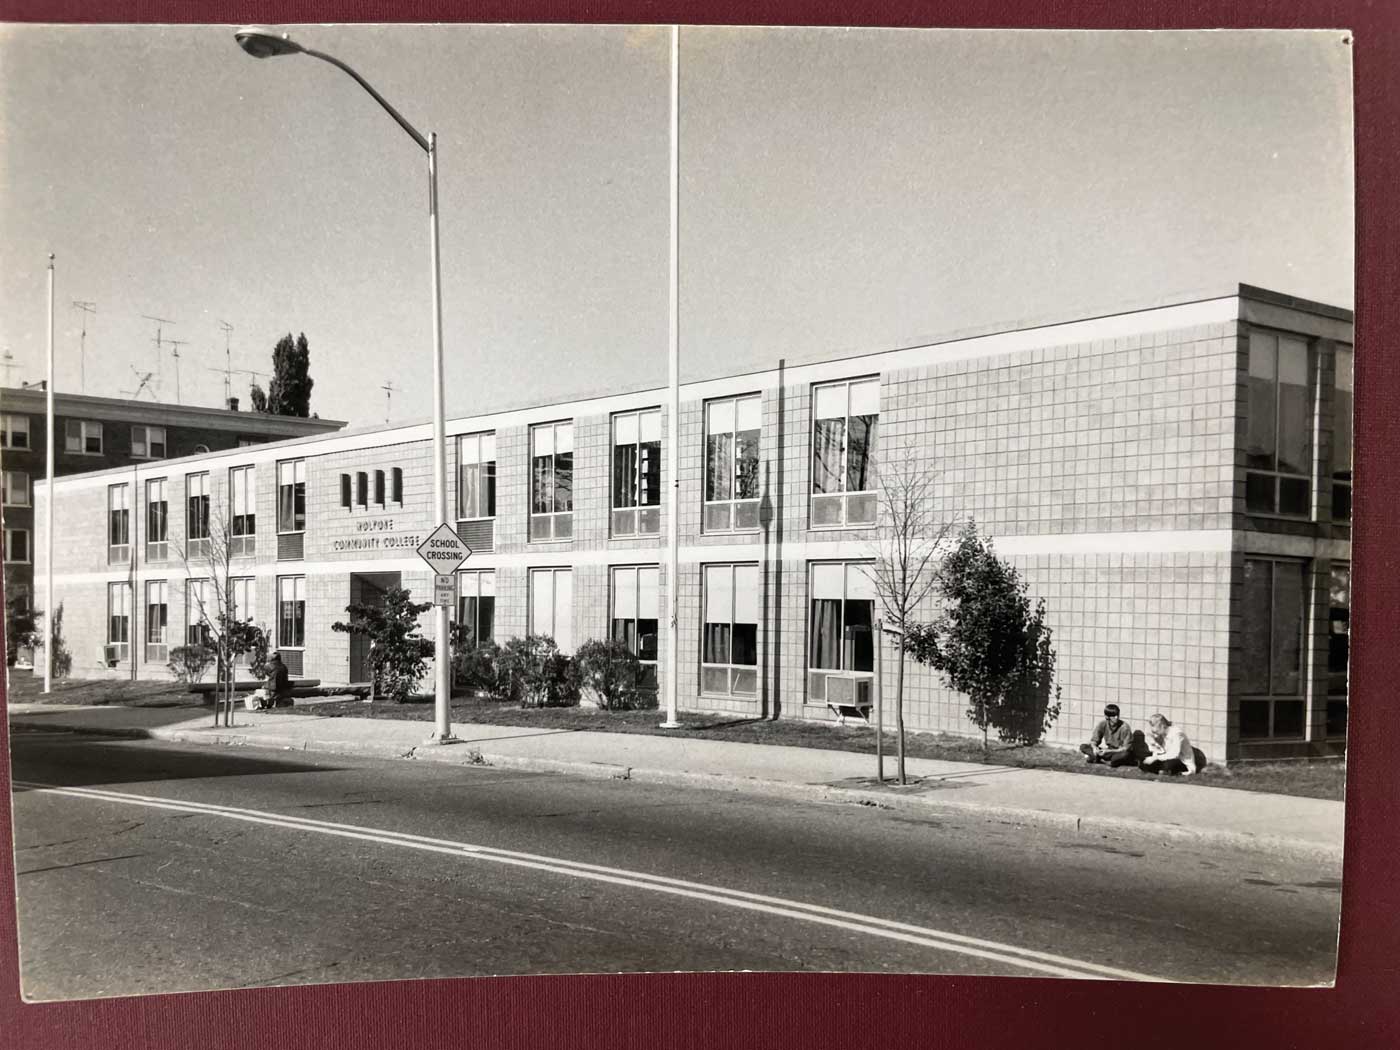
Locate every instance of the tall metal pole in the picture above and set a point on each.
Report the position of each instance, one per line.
(441, 657)
(48, 511)
(673, 458)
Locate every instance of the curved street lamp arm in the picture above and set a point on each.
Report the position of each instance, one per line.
(398, 117)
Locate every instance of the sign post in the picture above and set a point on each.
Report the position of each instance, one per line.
(443, 552)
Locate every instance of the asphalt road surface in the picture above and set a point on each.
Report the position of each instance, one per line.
(145, 867)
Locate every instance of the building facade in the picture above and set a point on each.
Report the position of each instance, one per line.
(99, 433)
(1174, 482)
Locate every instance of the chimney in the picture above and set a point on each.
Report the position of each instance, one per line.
(233, 404)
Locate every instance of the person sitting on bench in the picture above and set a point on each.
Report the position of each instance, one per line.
(1112, 741)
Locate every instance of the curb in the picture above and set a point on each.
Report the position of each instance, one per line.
(1088, 824)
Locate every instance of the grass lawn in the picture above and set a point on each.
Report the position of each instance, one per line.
(1319, 779)
(26, 687)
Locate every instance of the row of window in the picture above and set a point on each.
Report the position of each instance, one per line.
(84, 437)
(355, 489)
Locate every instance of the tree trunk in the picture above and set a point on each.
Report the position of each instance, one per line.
(899, 708)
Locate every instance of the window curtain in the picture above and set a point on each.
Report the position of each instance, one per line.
(826, 633)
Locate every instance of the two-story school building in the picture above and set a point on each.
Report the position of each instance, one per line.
(1174, 481)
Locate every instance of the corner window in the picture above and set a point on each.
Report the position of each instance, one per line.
(476, 476)
(157, 520)
(16, 546)
(729, 644)
(1274, 603)
(1342, 436)
(634, 615)
(82, 436)
(844, 421)
(731, 464)
(148, 442)
(14, 432)
(636, 473)
(200, 612)
(1279, 421)
(291, 496)
(291, 612)
(552, 606)
(842, 618)
(552, 481)
(243, 503)
(476, 605)
(16, 488)
(118, 523)
(197, 506)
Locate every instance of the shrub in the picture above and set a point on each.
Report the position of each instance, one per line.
(536, 673)
(190, 662)
(612, 673)
(62, 658)
(475, 665)
(21, 628)
(398, 655)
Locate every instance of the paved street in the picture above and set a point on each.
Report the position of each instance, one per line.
(158, 867)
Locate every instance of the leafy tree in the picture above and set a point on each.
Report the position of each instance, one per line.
(21, 628)
(258, 396)
(289, 392)
(908, 540)
(990, 643)
(398, 655)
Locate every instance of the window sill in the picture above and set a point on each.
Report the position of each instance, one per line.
(71, 452)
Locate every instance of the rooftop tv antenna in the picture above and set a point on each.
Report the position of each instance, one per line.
(144, 385)
(388, 389)
(175, 353)
(86, 308)
(159, 322)
(7, 362)
(228, 360)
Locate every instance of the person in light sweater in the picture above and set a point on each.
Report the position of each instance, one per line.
(1168, 749)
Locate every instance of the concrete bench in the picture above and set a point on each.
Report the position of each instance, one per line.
(299, 686)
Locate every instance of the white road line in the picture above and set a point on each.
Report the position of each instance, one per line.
(942, 940)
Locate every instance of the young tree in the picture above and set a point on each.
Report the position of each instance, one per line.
(990, 643)
(289, 392)
(398, 655)
(909, 540)
(229, 635)
(258, 396)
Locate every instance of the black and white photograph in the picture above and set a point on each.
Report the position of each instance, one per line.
(499, 500)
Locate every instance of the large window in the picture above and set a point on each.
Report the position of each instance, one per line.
(291, 612)
(16, 488)
(242, 598)
(147, 442)
(1341, 437)
(157, 621)
(201, 611)
(118, 523)
(1271, 663)
(82, 436)
(242, 496)
(291, 496)
(552, 605)
(1338, 646)
(119, 618)
(14, 432)
(552, 481)
(16, 546)
(842, 619)
(636, 473)
(634, 615)
(1278, 441)
(731, 464)
(476, 476)
(157, 521)
(844, 420)
(196, 507)
(729, 645)
(476, 605)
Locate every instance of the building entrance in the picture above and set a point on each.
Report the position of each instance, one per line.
(367, 588)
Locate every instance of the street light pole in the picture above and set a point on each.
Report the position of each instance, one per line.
(48, 514)
(264, 42)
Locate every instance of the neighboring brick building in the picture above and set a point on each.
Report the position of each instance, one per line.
(1175, 482)
(96, 433)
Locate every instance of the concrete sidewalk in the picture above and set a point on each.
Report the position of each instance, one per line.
(1098, 805)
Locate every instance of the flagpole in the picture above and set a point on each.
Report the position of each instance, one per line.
(48, 516)
(673, 458)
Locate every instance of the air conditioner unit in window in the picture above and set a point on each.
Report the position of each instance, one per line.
(849, 696)
(111, 654)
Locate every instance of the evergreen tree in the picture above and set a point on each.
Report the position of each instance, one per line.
(289, 393)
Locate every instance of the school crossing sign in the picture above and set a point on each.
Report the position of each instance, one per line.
(444, 551)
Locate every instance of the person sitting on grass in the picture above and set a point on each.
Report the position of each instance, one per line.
(279, 687)
(1112, 741)
(1168, 749)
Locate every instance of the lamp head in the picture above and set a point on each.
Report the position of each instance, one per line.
(265, 42)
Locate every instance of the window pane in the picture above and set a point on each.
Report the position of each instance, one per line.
(469, 490)
(827, 437)
(1254, 719)
(1261, 429)
(830, 402)
(828, 580)
(719, 593)
(1255, 604)
(1289, 583)
(1294, 428)
(860, 616)
(541, 603)
(625, 594)
(826, 633)
(860, 455)
(745, 645)
(624, 476)
(564, 610)
(1294, 496)
(1341, 415)
(649, 474)
(564, 481)
(716, 643)
(1288, 718)
(718, 482)
(541, 485)
(646, 638)
(1338, 628)
(1259, 493)
(746, 594)
(746, 465)
(648, 583)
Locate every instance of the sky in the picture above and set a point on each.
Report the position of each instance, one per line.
(842, 192)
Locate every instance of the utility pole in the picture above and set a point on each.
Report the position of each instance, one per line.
(86, 308)
(175, 353)
(48, 514)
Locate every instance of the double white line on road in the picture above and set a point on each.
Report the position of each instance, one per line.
(941, 940)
